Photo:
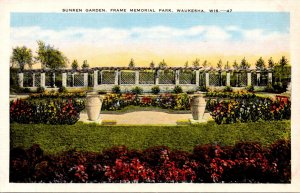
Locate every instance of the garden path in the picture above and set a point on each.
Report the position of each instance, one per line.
(144, 118)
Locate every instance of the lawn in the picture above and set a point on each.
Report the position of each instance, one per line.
(90, 137)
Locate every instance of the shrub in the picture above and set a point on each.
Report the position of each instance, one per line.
(155, 89)
(250, 88)
(177, 89)
(26, 90)
(137, 90)
(203, 89)
(40, 89)
(62, 89)
(227, 89)
(269, 88)
(116, 89)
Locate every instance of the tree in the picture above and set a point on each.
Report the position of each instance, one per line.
(227, 66)
(50, 57)
(162, 64)
(219, 64)
(196, 63)
(74, 65)
(271, 63)
(283, 61)
(85, 65)
(152, 65)
(244, 64)
(235, 65)
(260, 64)
(131, 63)
(22, 56)
(204, 64)
(186, 64)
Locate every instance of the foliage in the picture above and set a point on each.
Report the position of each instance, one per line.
(235, 65)
(271, 63)
(203, 89)
(155, 89)
(131, 63)
(244, 162)
(270, 88)
(177, 89)
(137, 90)
(22, 56)
(40, 89)
(232, 95)
(249, 110)
(219, 64)
(50, 57)
(250, 88)
(57, 95)
(74, 65)
(244, 64)
(62, 89)
(196, 63)
(116, 89)
(48, 112)
(260, 64)
(227, 89)
(162, 64)
(152, 65)
(85, 65)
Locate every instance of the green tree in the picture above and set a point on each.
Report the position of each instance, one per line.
(271, 63)
(131, 63)
(186, 64)
(204, 64)
(196, 63)
(22, 56)
(152, 65)
(235, 65)
(162, 64)
(74, 65)
(283, 61)
(227, 66)
(244, 64)
(260, 64)
(85, 65)
(50, 57)
(219, 64)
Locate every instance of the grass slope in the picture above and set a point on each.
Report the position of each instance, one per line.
(90, 137)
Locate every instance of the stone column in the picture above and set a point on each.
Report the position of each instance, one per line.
(177, 77)
(156, 77)
(95, 78)
(258, 78)
(53, 79)
(101, 76)
(43, 79)
(85, 79)
(248, 78)
(197, 78)
(137, 77)
(270, 77)
(207, 79)
(64, 79)
(21, 79)
(73, 79)
(117, 77)
(228, 78)
(33, 79)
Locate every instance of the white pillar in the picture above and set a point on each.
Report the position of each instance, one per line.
(197, 78)
(157, 77)
(227, 78)
(237, 79)
(248, 78)
(33, 79)
(43, 79)
(85, 79)
(95, 78)
(53, 79)
(73, 79)
(270, 77)
(207, 79)
(21, 79)
(117, 77)
(177, 77)
(137, 77)
(64, 79)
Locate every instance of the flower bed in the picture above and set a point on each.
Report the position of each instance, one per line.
(48, 111)
(232, 111)
(242, 163)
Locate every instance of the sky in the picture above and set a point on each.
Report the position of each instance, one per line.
(112, 39)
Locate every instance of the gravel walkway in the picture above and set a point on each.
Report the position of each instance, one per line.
(144, 118)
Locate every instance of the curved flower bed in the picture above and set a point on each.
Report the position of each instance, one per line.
(242, 163)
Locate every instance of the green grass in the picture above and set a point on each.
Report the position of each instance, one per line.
(90, 137)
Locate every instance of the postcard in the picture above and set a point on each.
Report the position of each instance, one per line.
(160, 96)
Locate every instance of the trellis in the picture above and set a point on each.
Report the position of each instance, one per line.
(58, 79)
(243, 79)
(91, 79)
(70, 81)
(214, 79)
(263, 78)
(187, 77)
(37, 80)
(28, 79)
(108, 77)
(147, 77)
(78, 79)
(202, 78)
(49, 79)
(127, 77)
(166, 77)
(254, 79)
